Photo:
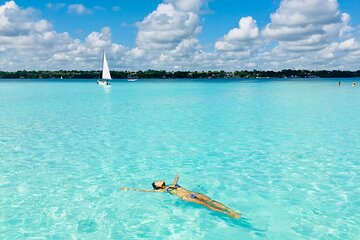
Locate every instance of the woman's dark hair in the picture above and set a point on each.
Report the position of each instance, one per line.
(157, 188)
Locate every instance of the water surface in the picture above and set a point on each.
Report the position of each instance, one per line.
(284, 153)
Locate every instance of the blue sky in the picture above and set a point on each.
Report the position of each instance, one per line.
(131, 33)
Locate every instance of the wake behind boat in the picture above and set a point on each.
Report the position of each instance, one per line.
(106, 77)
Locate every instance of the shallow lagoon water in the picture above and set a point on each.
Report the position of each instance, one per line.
(284, 153)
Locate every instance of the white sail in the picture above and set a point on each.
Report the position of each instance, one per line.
(105, 71)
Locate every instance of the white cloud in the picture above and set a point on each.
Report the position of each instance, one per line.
(99, 40)
(13, 21)
(166, 27)
(184, 52)
(248, 30)
(349, 44)
(240, 39)
(167, 37)
(187, 5)
(310, 34)
(306, 25)
(33, 44)
(305, 12)
(136, 53)
(78, 9)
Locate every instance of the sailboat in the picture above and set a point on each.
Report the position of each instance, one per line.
(106, 77)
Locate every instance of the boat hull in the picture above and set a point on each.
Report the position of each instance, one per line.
(104, 83)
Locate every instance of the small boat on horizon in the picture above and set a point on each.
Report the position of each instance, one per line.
(132, 78)
(106, 77)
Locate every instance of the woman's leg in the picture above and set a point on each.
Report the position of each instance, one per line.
(217, 205)
(197, 200)
(211, 202)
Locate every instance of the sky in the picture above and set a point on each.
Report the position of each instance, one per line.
(180, 34)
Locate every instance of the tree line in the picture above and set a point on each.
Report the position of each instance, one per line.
(156, 74)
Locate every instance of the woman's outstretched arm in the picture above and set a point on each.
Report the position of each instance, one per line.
(140, 190)
(176, 180)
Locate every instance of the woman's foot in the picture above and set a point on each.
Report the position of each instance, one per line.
(234, 215)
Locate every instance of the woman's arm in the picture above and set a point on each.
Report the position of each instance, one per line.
(176, 180)
(140, 190)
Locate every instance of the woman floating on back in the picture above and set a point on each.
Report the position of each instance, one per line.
(189, 196)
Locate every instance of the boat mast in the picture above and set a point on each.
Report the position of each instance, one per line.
(102, 66)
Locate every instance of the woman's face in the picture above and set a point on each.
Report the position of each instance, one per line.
(159, 184)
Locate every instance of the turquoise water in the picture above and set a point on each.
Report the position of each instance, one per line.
(284, 153)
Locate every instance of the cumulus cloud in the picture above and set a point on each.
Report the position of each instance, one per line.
(12, 21)
(187, 5)
(78, 9)
(166, 27)
(99, 39)
(349, 44)
(306, 25)
(240, 39)
(183, 54)
(309, 34)
(28, 42)
(168, 34)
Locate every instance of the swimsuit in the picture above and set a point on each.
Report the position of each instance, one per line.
(176, 186)
(169, 189)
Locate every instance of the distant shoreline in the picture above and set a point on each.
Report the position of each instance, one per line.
(162, 74)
